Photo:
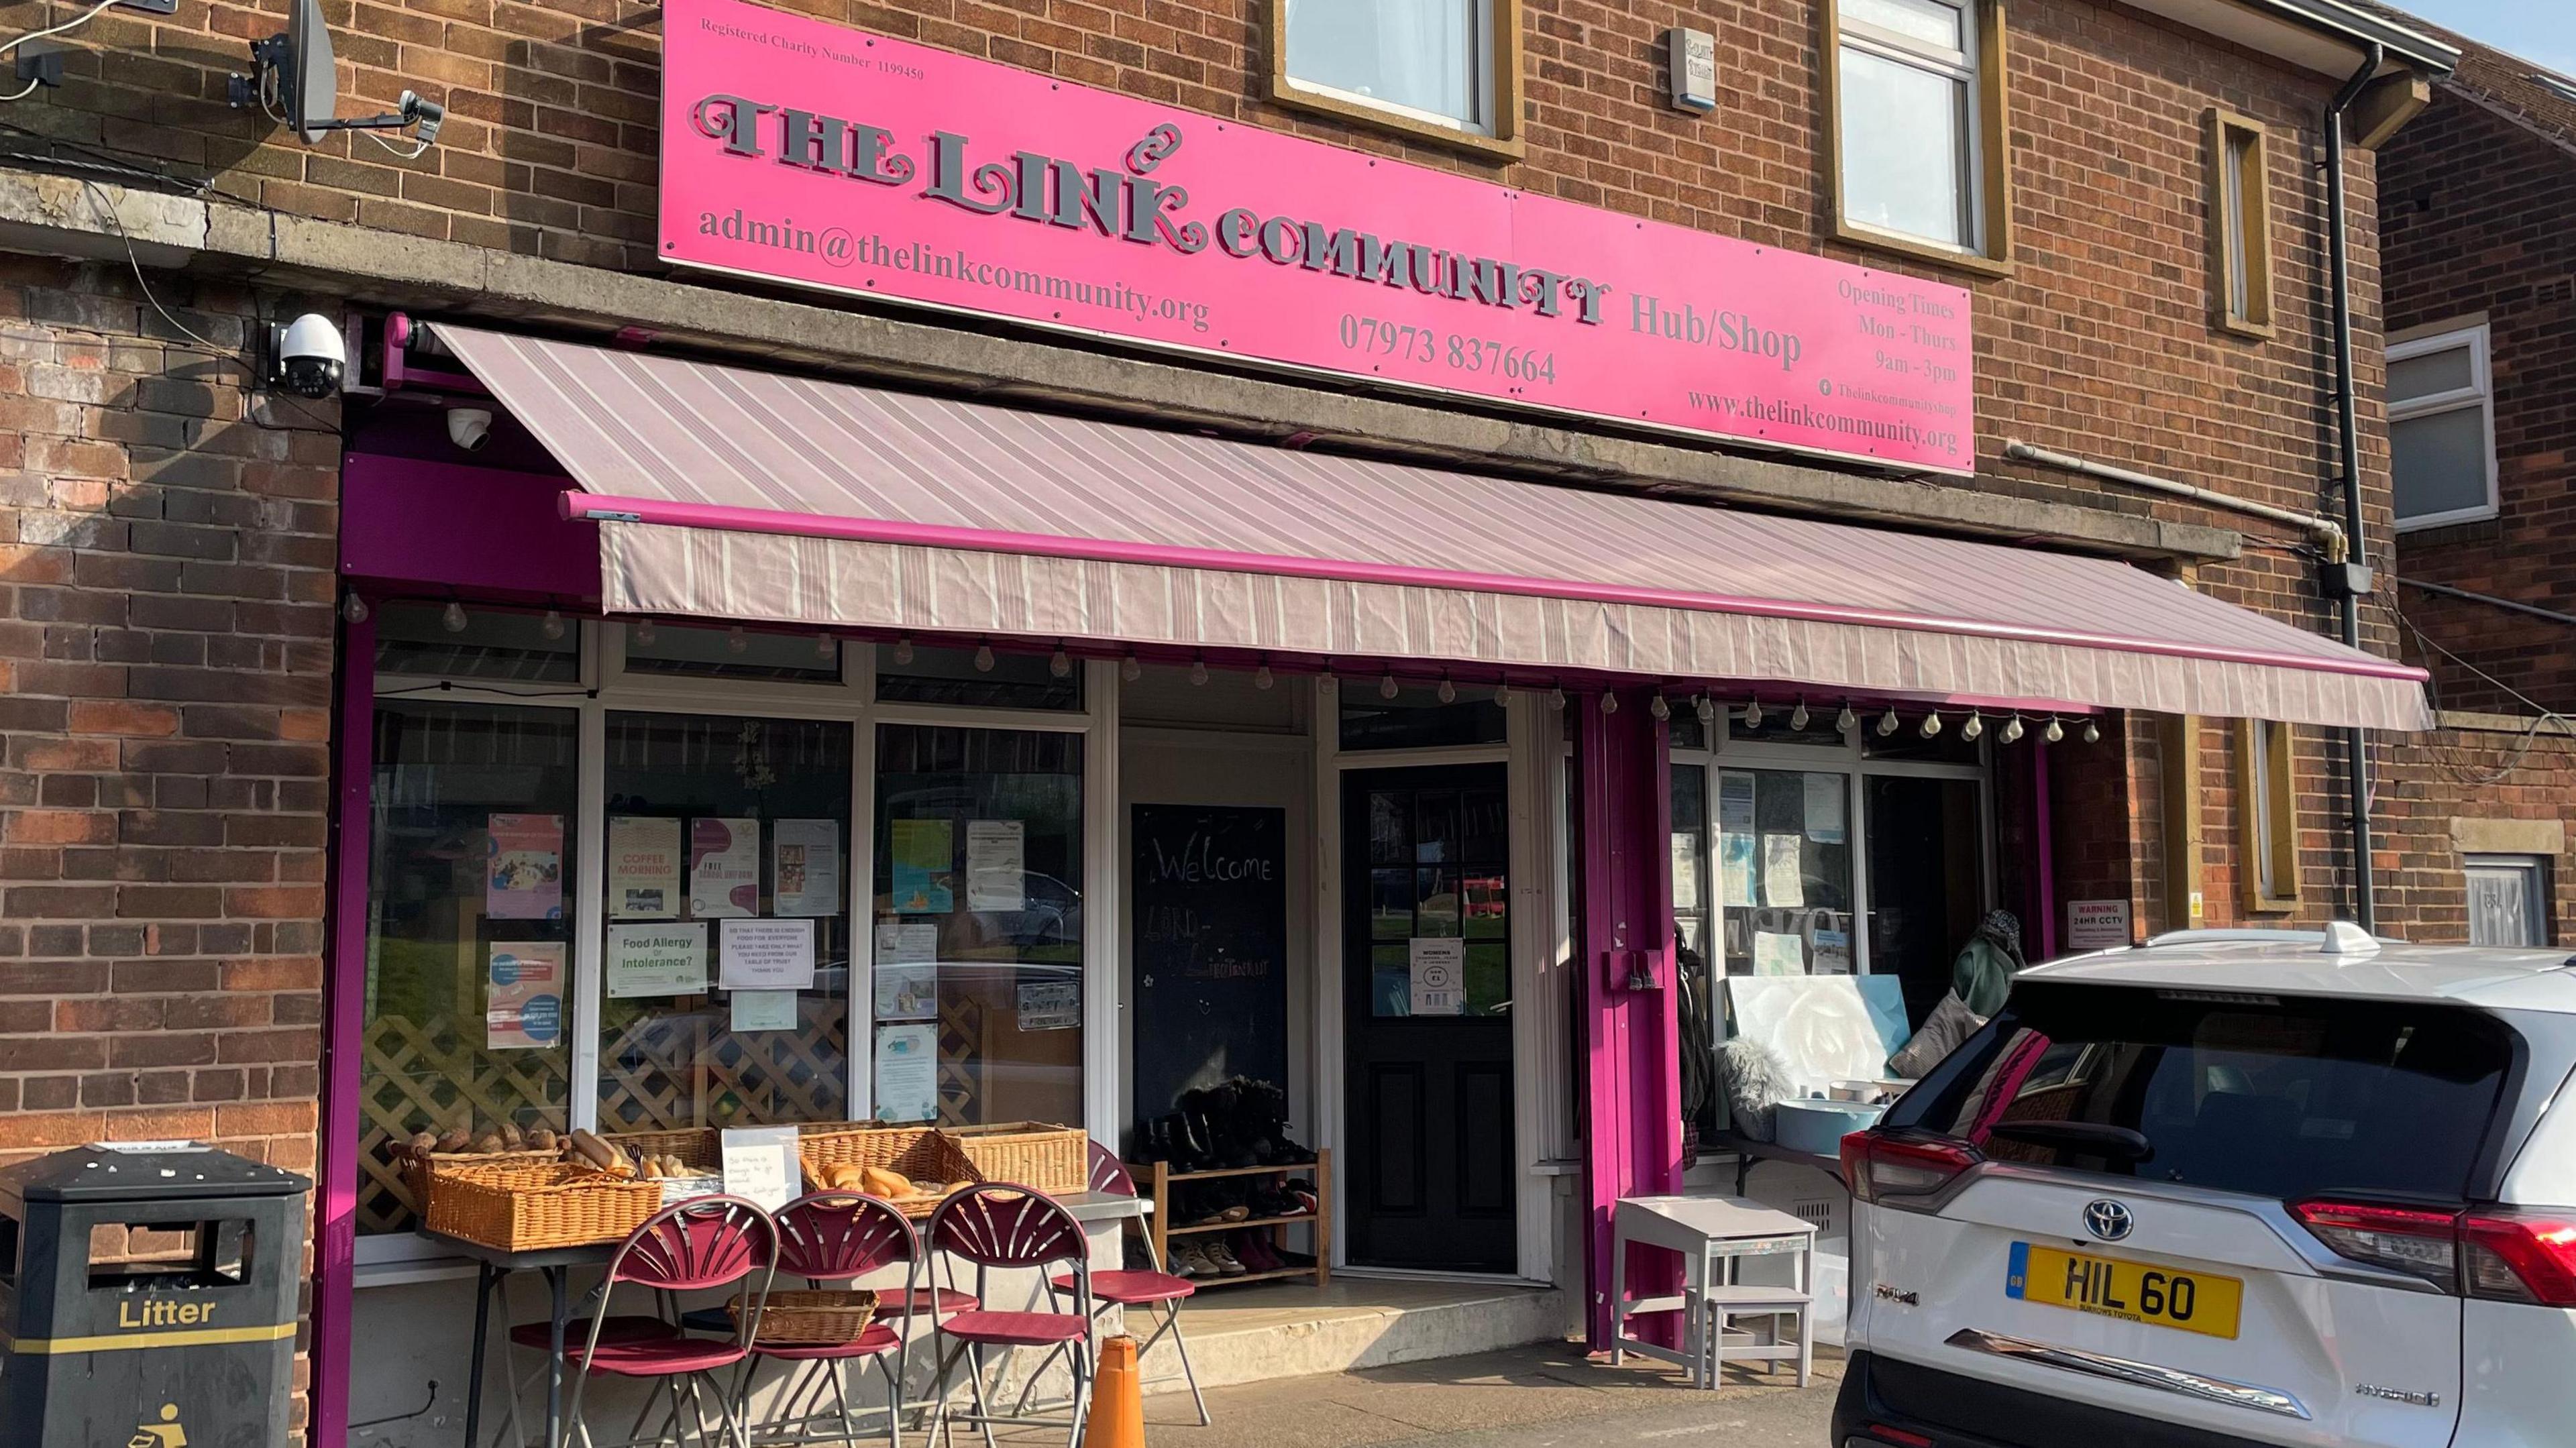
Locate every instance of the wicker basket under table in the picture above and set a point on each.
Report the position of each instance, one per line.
(531, 1208)
(1054, 1159)
(810, 1317)
(915, 1153)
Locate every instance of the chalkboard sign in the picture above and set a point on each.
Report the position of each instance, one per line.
(1210, 988)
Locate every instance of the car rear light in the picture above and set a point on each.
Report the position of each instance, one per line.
(2517, 1257)
(2501, 1255)
(1893, 1170)
(1881, 1433)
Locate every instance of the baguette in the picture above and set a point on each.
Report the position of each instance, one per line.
(597, 1153)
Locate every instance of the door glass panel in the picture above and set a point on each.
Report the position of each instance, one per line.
(1785, 867)
(725, 968)
(1926, 881)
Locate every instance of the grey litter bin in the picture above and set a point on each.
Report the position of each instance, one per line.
(148, 1298)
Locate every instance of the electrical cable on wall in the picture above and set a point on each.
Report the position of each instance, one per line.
(84, 18)
(2542, 717)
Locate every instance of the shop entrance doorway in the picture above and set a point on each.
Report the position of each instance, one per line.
(1427, 1044)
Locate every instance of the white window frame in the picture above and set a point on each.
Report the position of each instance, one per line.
(2480, 394)
(1487, 91)
(605, 686)
(1960, 66)
(2536, 894)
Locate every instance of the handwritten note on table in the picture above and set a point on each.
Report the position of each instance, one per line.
(761, 1164)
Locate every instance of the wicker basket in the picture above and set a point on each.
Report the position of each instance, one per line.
(422, 1174)
(699, 1146)
(530, 1208)
(1054, 1159)
(810, 1317)
(915, 1153)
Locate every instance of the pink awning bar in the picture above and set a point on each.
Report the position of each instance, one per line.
(733, 493)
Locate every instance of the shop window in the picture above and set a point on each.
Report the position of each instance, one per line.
(1417, 718)
(416, 640)
(2441, 428)
(913, 674)
(1684, 730)
(2240, 231)
(1439, 864)
(732, 653)
(1927, 881)
(1447, 70)
(1779, 724)
(1907, 742)
(2270, 815)
(978, 983)
(1784, 866)
(1689, 848)
(725, 962)
(2508, 900)
(468, 953)
(1916, 97)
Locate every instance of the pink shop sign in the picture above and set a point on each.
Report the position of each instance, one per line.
(808, 153)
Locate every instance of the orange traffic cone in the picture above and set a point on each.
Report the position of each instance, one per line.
(1117, 1399)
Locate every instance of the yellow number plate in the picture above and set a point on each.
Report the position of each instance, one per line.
(2130, 1291)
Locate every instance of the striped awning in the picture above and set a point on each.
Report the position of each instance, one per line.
(727, 492)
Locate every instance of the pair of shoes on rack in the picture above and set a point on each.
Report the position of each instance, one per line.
(1206, 1261)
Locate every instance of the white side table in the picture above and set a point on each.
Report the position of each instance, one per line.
(1712, 1234)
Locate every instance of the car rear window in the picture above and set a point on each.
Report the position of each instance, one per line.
(2276, 1096)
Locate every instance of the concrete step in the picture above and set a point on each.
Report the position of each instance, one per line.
(1278, 1330)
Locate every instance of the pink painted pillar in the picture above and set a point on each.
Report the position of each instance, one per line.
(344, 994)
(1633, 1141)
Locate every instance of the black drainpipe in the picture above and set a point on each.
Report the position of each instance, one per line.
(2348, 581)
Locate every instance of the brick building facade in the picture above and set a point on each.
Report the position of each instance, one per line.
(167, 645)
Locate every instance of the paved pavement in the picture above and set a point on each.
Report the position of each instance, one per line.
(1538, 1397)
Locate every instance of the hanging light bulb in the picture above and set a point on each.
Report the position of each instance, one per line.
(1706, 709)
(823, 646)
(2053, 733)
(2011, 731)
(1753, 715)
(1060, 663)
(1659, 708)
(1887, 722)
(1975, 726)
(2092, 732)
(353, 608)
(983, 658)
(1386, 688)
(644, 632)
(903, 650)
(1198, 671)
(1798, 717)
(1502, 693)
(553, 627)
(452, 617)
(1931, 724)
(1448, 691)
(1556, 696)
(1129, 669)
(1261, 677)
(736, 640)
(1846, 721)
(1609, 702)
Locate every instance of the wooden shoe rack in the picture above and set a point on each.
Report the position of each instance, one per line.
(1158, 1180)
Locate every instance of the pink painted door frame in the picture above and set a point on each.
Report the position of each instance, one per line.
(344, 993)
(1633, 1139)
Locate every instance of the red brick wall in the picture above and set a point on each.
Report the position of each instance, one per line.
(165, 661)
(2477, 221)
(2476, 774)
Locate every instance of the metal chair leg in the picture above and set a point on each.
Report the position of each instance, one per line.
(894, 1398)
(1181, 1345)
(983, 1409)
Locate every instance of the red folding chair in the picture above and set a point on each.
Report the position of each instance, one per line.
(695, 1246)
(1012, 1228)
(831, 1239)
(1146, 1292)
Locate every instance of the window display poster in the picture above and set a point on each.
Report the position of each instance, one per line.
(643, 867)
(766, 955)
(525, 881)
(1050, 1005)
(1735, 869)
(1439, 965)
(761, 1164)
(906, 977)
(724, 868)
(1784, 879)
(1825, 808)
(1686, 869)
(1833, 952)
(523, 987)
(1735, 802)
(907, 1073)
(1778, 953)
(805, 867)
(996, 864)
(761, 1010)
(657, 960)
(925, 857)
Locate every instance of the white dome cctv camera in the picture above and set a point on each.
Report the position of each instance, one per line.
(308, 358)
(469, 427)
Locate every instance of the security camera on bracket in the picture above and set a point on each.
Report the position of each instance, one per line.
(294, 81)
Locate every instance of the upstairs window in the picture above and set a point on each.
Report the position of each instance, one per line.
(1443, 69)
(2441, 428)
(1918, 135)
(2240, 225)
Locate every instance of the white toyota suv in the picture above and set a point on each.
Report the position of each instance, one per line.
(2230, 1188)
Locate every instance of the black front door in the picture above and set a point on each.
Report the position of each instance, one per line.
(1426, 1011)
